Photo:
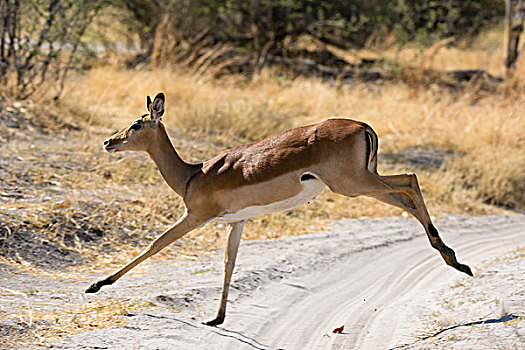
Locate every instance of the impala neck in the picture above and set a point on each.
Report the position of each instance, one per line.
(174, 170)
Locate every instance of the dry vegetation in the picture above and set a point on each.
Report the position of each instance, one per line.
(477, 138)
(47, 324)
(58, 182)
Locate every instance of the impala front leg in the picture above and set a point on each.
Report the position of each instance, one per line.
(230, 255)
(184, 225)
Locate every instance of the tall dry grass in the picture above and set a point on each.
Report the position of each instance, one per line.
(485, 134)
(482, 52)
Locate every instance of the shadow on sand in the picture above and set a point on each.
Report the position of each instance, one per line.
(220, 331)
(502, 319)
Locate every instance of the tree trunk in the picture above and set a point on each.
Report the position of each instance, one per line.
(514, 18)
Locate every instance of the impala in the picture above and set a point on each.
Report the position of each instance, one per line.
(278, 173)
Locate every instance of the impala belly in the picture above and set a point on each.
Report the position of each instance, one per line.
(311, 188)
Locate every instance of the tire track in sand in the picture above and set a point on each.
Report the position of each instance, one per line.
(376, 294)
(374, 276)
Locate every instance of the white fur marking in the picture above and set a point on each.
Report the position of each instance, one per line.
(311, 188)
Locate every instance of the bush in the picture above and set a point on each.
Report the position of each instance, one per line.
(40, 41)
(196, 30)
(427, 21)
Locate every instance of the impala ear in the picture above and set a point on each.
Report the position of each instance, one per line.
(157, 107)
(148, 103)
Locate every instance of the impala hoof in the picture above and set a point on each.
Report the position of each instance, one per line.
(464, 268)
(214, 322)
(95, 287)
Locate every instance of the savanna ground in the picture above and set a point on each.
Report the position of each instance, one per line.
(67, 207)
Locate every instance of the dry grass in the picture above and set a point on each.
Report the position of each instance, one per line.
(484, 132)
(480, 129)
(41, 324)
(483, 52)
(132, 201)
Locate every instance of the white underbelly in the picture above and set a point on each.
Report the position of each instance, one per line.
(311, 188)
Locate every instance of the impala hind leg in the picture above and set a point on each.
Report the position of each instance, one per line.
(184, 225)
(230, 255)
(403, 191)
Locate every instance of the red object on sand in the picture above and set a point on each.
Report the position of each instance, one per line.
(339, 330)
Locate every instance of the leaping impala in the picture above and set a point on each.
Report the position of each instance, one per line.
(278, 173)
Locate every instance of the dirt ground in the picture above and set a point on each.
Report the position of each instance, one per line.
(379, 279)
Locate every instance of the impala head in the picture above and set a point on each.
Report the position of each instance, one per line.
(138, 135)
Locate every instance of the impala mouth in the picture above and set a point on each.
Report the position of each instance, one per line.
(110, 148)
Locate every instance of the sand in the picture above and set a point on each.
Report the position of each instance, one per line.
(378, 278)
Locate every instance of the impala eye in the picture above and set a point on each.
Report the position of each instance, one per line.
(135, 126)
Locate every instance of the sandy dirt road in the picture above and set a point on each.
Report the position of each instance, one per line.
(378, 278)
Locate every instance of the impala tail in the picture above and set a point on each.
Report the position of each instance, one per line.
(371, 148)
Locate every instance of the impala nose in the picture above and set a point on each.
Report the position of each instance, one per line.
(107, 145)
